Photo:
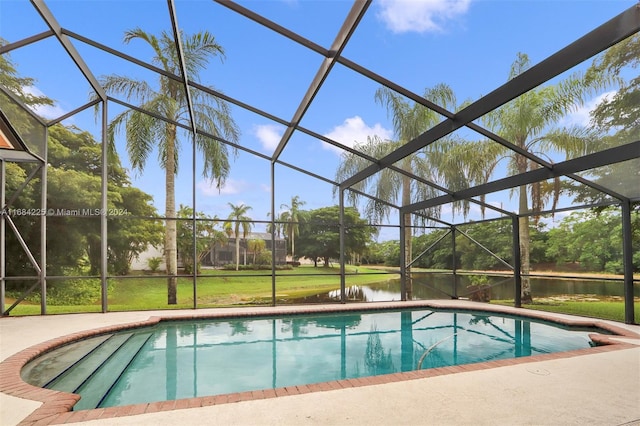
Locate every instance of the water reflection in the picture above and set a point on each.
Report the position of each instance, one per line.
(376, 359)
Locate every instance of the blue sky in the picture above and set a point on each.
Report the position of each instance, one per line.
(466, 44)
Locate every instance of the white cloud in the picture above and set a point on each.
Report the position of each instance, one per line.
(46, 111)
(269, 136)
(420, 15)
(582, 115)
(354, 130)
(231, 186)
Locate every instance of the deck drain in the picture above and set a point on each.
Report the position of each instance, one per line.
(539, 371)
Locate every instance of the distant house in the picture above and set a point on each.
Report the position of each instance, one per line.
(141, 262)
(222, 254)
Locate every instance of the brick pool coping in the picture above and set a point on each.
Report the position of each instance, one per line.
(57, 405)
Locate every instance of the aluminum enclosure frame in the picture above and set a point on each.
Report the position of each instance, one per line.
(607, 35)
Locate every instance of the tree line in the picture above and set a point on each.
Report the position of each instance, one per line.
(585, 241)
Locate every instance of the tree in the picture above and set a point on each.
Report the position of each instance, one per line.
(217, 238)
(275, 227)
(74, 171)
(16, 84)
(74, 178)
(206, 237)
(127, 237)
(592, 239)
(439, 256)
(618, 117)
(383, 253)
(409, 121)
(530, 123)
(256, 246)
(144, 132)
(622, 110)
(292, 218)
(73, 189)
(320, 234)
(237, 221)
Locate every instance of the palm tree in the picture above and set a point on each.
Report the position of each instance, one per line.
(256, 246)
(145, 133)
(217, 238)
(409, 121)
(275, 226)
(292, 218)
(236, 221)
(530, 123)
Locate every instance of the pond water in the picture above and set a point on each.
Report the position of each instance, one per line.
(440, 286)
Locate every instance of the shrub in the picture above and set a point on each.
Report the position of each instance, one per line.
(67, 292)
(232, 267)
(154, 263)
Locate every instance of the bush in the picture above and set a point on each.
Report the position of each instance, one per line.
(614, 267)
(154, 263)
(264, 258)
(232, 267)
(67, 292)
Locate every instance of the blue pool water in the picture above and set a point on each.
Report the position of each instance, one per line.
(183, 359)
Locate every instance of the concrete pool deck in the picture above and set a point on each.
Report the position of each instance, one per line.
(599, 385)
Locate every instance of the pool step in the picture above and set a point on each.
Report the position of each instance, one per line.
(72, 378)
(109, 371)
(47, 368)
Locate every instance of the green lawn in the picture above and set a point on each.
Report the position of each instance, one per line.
(219, 288)
(604, 309)
(216, 288)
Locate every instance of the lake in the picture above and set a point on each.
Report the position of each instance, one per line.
(440, 286)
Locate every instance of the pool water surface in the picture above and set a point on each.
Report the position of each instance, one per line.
(185, 359)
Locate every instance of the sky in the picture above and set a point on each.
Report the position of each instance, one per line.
(467, 44)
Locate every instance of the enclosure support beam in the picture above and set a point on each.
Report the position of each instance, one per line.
(3, 271)
(103, 214)
(273, 235)
(606, 157)
(627, 262)
(603, 37)
(342, 248)
(194, 130)
(403, 260)
(43, 224)
(344, 34)
(194, 225)
(53, 24)
(22, 186)
(428, 249)
(517, 262)
(485, 249)
(454, 265)
(23, 244)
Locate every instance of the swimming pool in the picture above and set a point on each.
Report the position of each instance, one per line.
(185, 359)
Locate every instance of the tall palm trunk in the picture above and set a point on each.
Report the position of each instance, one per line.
(525, 239)
(237, 252)
(406, 200)
(525, 246)
(170, 240)
(293, 245)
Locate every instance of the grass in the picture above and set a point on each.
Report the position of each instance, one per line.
(217, 288)
(603, 309)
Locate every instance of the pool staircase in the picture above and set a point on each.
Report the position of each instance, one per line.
(103, 359)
